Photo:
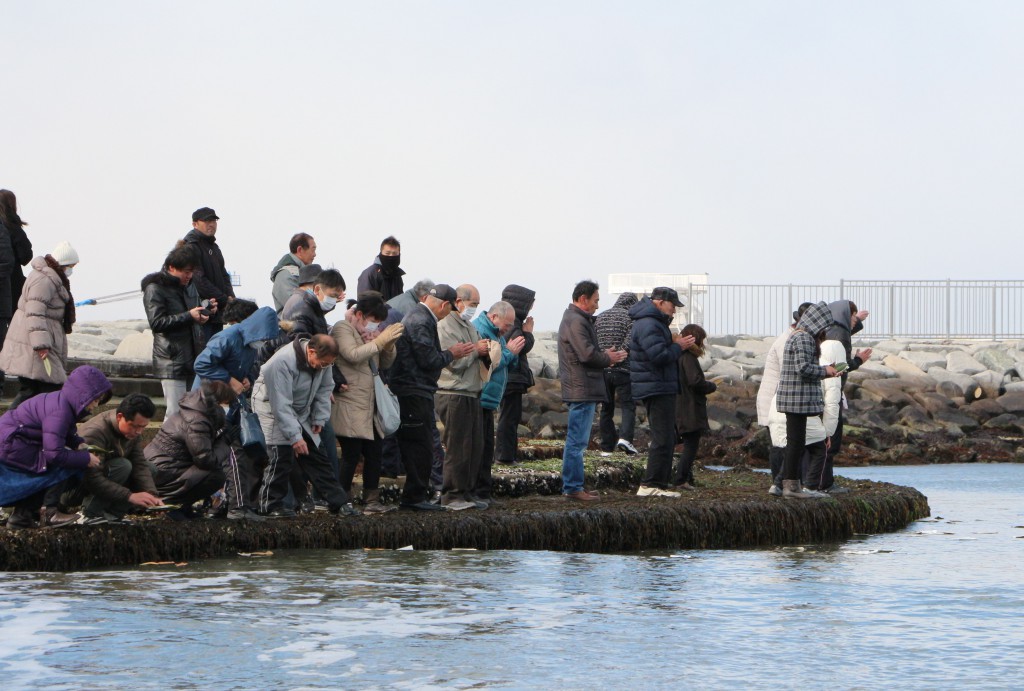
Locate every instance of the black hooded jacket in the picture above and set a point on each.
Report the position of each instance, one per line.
(520, 378)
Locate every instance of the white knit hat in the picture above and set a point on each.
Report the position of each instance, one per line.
(65, 254)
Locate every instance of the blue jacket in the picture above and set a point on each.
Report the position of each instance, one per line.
(229, 354)
(490, 397)
(653, 356)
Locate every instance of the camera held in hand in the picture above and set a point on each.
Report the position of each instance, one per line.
(204, 308)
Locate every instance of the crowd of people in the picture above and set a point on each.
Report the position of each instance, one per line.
(259, 400)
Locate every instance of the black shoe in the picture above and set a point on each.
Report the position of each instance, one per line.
(422, 506)
(244, 514)
(346, 510)
(220, 513)
(836, 489)
(22, 519)
(281, 513)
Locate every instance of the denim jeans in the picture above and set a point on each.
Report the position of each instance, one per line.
(577, 437)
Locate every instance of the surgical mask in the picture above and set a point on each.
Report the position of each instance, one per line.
(372, 326)
(328, 303)
(469, 313)
(68, 270)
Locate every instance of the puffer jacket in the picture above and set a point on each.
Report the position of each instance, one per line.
(581, 361)
(840, 331)
(419, 359)
(614, 327)
(212, 279)
(285, 277)
(232, 352)
(800, 382)
(191, 437)
(40, 433)
(692, 401)
(177, 337)
(352, 411)
(304, 311)
(520, 376)
(38, 323)
(818, 428)
(494, 389)
(770, 379)
(654, 356)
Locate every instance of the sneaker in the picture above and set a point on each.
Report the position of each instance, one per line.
(605, 454)
(422, 506)
(836, 489)
(345, 510)
(91, 520)
(813, 493)
(244, 514)
(775, 491)
(627, 446)
(646, 491)
(376, 507)
(460, 505)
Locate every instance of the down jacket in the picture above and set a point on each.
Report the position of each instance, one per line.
(232, 352)
(654, 356)
(177, 337)
(212, 280)
(40, 434)
(581, 361)
(520, 376)
(38, 323)
(818, 428)
(352, 411)
(770, 379)
(800, 382)
(692, 401)
(419, 358)
(191, 437)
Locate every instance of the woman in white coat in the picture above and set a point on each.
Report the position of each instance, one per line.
(819, 429)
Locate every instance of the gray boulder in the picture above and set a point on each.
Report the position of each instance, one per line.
(996, 359)
(960, 362)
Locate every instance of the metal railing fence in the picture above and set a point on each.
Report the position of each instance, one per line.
(899, 309)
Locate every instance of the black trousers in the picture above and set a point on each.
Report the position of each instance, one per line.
(506, 443)
(691, 442)
(281, 459)
(352, 451)
(30, 388)
(775, 456)
(415, 442)
(796, 440)
(390, 457)
(483, 475)
(661, 416)
(188, 487)
(815, 465)
(617, 385)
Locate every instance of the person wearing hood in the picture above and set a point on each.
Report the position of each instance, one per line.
(520, 376)
(15, 252)
(212, 280)
(40, 448)
(176, 317)
(383, 275)
(654, 376)
(614, 327)
(285, 274)
(292, 397)
(190, 451)
(36, 346)
(799, 394)
(493, 325)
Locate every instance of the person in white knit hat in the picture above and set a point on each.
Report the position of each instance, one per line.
(36, 348)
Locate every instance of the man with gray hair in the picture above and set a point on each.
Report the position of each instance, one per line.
(407, 301)
(493, 326)
(458, 402)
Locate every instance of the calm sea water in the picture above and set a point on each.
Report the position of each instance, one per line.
(936, 606)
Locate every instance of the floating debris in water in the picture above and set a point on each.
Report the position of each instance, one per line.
(407, 548)
(267, 553)
(164, 563)
(932, 532)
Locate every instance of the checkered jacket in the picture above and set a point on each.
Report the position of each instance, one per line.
(800, 383)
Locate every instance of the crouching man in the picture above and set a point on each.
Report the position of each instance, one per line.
(292, 398)
(123, 482)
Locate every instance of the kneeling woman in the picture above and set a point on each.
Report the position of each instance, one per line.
(191, 451)
(40, 447)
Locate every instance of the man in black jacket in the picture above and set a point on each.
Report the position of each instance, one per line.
(418, 364)
(520, 377)
(383, 275)
(212, 279)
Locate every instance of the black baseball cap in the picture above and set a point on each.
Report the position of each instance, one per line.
(204, 214)
(444, 292)
(667, 294)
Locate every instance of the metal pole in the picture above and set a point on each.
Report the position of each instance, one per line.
(994, 294)
(892, 309)
(949, 309)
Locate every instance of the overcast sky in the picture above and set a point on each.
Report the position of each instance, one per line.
(521, 142)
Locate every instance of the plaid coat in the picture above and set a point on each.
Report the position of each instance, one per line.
(800, 383)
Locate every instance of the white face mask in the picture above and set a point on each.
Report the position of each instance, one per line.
(225, 408)
(372, 326)
(68, 270)
(328, 303)
(469, 313)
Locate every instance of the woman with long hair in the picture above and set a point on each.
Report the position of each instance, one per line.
(691, 405)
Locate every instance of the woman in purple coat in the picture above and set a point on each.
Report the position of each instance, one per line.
(40, 447)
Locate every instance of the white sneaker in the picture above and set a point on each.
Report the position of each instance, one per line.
(775, 491)
(645, 491)
(627, 447)
(813, 493)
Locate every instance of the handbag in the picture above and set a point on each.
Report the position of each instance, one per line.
(251, 433)
(386, 413)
